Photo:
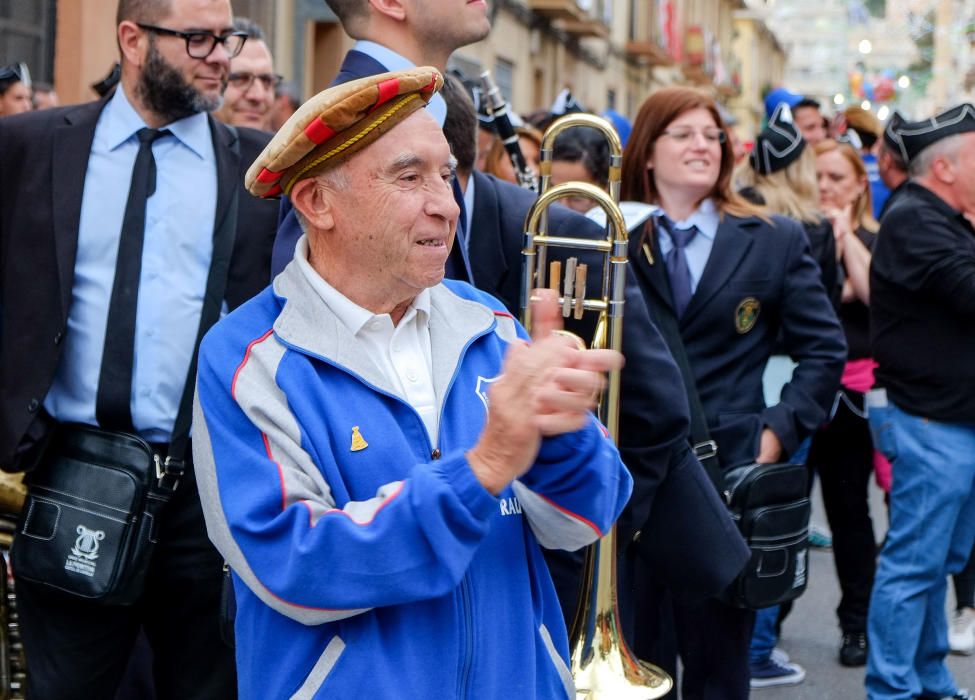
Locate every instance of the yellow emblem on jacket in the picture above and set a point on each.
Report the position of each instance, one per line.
(747, 314)
(358, 442)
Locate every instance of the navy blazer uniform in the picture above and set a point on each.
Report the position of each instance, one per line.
(758, 281)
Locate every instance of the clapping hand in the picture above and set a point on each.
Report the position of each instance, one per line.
(546, 388)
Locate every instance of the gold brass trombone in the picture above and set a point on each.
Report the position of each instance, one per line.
(602, 665)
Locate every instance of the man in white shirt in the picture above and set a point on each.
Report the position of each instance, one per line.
(381, 454)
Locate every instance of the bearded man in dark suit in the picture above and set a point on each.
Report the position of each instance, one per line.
(66, 177)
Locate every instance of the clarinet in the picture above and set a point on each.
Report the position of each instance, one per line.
(506, 132)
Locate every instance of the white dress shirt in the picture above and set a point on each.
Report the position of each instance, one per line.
(401, 352)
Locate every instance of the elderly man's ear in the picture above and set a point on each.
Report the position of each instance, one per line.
(314, 202)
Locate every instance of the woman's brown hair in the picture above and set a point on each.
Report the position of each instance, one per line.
(496, 153)
(656, 113)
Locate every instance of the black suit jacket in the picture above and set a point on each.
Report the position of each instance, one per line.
(759, 281)
(43, 160)
(689, 535)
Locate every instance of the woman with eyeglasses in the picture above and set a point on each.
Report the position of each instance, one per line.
(15, 91)
(729, 279)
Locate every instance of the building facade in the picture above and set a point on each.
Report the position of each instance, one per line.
(610, 53)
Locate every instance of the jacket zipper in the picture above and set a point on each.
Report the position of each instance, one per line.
(467, 656)
(463, 679)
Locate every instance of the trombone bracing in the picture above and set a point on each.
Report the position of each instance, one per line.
(602, 665)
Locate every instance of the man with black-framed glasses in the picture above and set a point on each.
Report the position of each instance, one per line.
(249, 97)
(126, 229)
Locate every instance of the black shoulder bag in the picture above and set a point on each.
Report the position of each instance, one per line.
(769, 502)
(91, 518)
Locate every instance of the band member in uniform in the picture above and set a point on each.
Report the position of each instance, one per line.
(733, 280)
(673, 517)
(922, 324)
(381, 455)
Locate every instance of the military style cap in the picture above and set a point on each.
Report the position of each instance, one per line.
(335, 124)
(891, 136)
(914, 137)
(779, 143)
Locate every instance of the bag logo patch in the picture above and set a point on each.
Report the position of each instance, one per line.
(84, 552)
(746, 315)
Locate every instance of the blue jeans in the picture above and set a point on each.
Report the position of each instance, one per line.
(764, 636)
(932, 529)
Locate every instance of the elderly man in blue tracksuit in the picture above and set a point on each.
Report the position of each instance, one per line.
(381, 454)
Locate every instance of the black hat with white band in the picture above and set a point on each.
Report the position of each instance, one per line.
(779, 143)
(914, 137)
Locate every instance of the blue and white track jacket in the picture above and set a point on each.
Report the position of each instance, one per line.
(385, 571)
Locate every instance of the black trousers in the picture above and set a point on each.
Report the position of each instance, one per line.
(78, 650)
(710, 637)
(964, 582)
(842, 454)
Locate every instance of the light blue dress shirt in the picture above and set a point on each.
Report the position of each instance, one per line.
(395, 62)
(707, 220)
(175, 263)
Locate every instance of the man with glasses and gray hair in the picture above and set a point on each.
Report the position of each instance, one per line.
(126, 230)
(249, 97)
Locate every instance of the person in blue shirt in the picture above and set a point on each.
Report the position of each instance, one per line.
(381, 454)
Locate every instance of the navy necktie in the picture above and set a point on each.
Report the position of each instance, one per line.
(676, 263)
(458, 265)
(112, 403)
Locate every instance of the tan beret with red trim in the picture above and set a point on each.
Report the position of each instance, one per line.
(336, 123)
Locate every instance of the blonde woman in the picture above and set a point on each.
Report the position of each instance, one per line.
(842, 451)
(781, 175)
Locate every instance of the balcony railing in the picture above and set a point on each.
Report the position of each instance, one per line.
(650, 51)
(568, 10)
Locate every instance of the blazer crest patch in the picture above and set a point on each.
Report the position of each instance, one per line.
(746, 314)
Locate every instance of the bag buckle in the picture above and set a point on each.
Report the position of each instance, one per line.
(705, 450)
(168, 468)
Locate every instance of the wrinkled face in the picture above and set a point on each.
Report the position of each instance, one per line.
(395, 220)
(839, 184)
(15, 100)
(448, 24)
(572, 171)
(529, 149)
(687, 155)
(174, 84)
(249, 97)
(810, 124)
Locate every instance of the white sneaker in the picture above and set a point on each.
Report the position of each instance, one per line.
(961, 635)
